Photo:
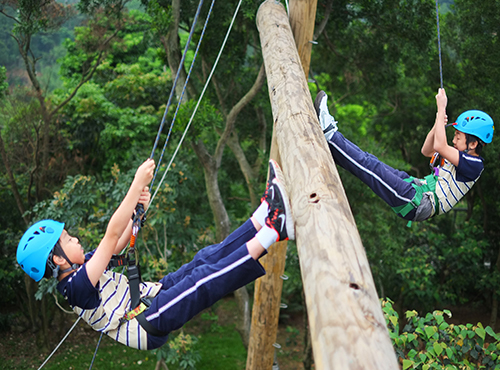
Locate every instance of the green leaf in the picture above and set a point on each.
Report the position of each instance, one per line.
(490, 331)
(444, 325)
(410, 314)
(430, 331)
(481, 333)
(407, 364)
(412, 353)
(439, 318)
(437, 348)
(449, 353)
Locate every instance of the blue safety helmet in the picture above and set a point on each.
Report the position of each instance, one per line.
(36, 245)
(477, 123)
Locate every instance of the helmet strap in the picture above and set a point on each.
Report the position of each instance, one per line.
(56, 269)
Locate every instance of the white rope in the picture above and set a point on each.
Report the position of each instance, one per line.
(61, 342)
(197, 104)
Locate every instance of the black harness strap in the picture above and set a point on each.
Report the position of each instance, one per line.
(134, 277)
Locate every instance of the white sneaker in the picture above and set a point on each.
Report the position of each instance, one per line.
(327, 121)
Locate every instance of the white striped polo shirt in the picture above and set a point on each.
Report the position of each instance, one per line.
(104, 306)
(455, 181)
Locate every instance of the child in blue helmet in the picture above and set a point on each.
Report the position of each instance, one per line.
(102, 297)
(455, 169)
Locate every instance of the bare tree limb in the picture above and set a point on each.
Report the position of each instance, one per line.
(235, 110)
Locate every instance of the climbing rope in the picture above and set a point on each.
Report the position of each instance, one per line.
(61, 342)
(95, 352)
(439, 44)
(183, 90)
(198, 103)
(181, 63)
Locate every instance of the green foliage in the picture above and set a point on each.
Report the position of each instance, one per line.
(431, 343)
(180, 351)
(3, 84)
(213, 319)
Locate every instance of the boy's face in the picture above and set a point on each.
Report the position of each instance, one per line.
(460, 141)
(72, 248)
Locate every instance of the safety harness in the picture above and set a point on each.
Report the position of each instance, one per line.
(421, 186)
(138, 304)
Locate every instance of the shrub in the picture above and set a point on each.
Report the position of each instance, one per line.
(431, 343)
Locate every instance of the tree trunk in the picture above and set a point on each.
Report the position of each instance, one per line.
(494, 308)
(12, 181)
(250, 173)
(211, 171)
(302, 17)
(171, 44)
(212, 163)
(267, 300)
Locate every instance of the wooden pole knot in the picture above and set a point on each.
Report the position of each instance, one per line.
(314, 198)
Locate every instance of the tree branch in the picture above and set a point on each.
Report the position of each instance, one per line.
(84, 78)
(233, 114)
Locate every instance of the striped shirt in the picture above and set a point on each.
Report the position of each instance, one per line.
(454, 182)
(103, 306)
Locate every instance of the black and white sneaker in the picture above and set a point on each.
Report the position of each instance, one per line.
(280, 216)
(269, 192)
(327, 121)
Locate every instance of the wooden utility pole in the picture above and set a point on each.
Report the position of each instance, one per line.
(267, 300)
(348, 328)
(302, 17)
(267, 295)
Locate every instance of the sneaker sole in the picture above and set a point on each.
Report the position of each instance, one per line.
(317, 101)
(279, 181)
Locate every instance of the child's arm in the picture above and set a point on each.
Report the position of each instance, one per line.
(144, 199)
(440, 143)
(428, 147)
(118, 222)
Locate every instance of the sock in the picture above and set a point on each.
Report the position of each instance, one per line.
(267, 236)
(261, 213)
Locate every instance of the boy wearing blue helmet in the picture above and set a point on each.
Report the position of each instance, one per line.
(103, 298)
(455, 169)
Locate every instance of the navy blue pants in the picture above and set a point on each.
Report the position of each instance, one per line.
(214, 272)
(385, 181)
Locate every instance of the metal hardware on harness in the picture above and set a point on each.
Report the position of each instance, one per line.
(436, 161)
(134, 281)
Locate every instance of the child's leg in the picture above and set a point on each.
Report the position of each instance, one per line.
(273, 213)
(205, 285)
(384, 180)
(212, 253)
(221, 269)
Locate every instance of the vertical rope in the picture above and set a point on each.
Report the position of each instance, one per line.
(95, 352)
(181, 63)
(183, 91)
(439, 44)
(61, 342)
(198, 103)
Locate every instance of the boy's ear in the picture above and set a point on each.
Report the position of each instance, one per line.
(473, 145)
(58, 260)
